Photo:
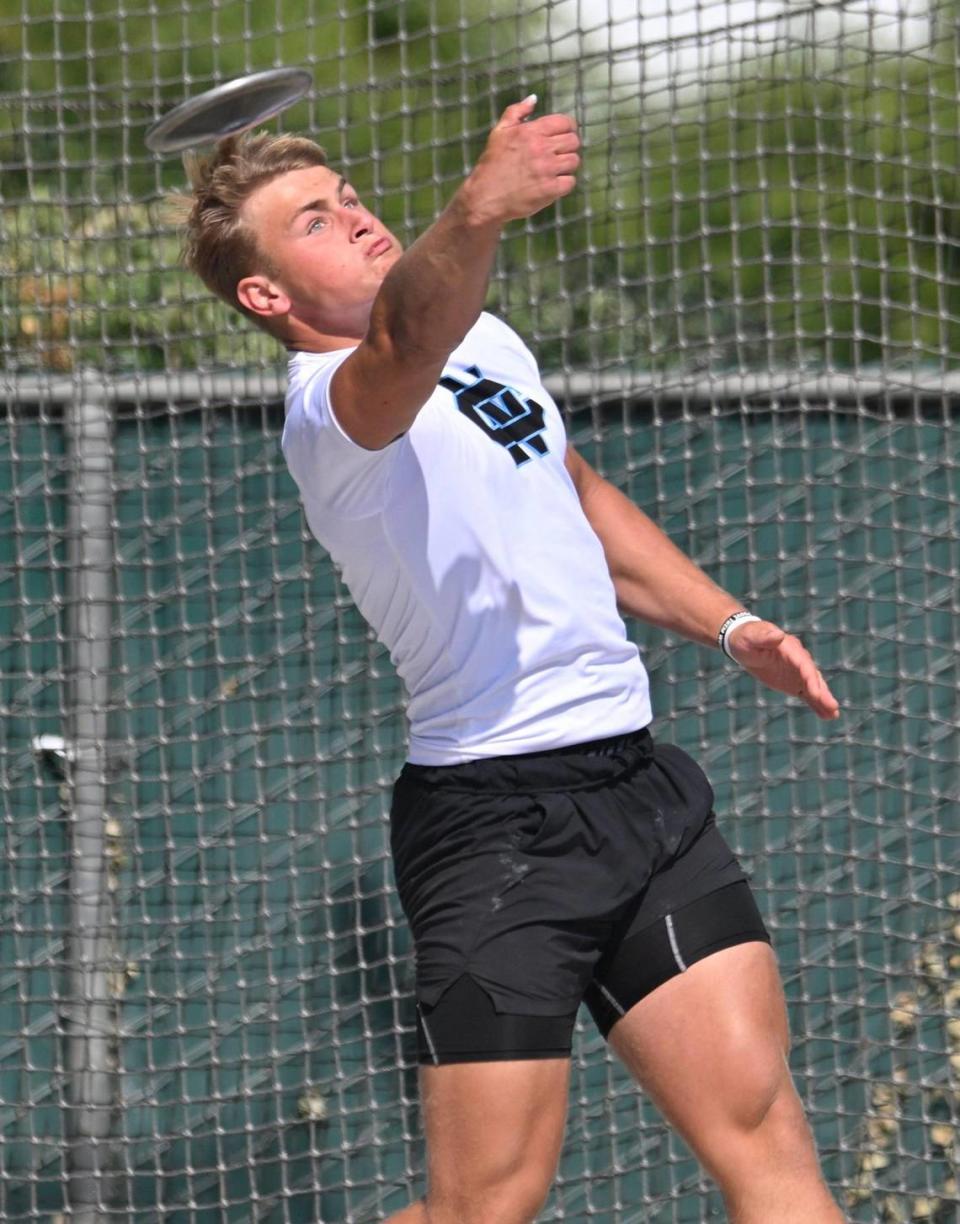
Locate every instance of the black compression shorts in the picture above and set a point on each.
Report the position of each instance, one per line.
(534, 883)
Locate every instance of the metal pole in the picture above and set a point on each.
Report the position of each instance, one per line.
(90, 1022)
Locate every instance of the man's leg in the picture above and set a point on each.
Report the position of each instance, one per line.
(494, 1132)
(710, 1046)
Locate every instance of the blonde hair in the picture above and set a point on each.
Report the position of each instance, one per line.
(218, 245)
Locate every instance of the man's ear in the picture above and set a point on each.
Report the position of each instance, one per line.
(263, 297)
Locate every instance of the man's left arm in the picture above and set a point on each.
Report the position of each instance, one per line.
(657, 583)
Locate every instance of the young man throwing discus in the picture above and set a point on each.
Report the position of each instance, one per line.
(548, 850)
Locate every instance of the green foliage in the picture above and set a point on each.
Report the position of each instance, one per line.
(106, 291)
(89, 269)
(793, 218)
(806, 213)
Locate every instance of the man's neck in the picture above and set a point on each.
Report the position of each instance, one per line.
(321, 344)
(301, 337)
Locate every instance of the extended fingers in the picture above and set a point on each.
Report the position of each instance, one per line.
(781, 660)
(811, 688)
(818, 697)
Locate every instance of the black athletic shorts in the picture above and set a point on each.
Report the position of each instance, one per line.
(534, 883)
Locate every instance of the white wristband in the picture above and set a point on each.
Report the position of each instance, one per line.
(734, 621)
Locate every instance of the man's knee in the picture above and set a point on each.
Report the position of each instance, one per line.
(516, 1197)
(764, 1130)
(764, 1091)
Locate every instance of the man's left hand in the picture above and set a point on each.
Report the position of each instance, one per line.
(781, 662)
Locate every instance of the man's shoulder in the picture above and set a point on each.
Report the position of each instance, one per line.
(490, 335)
(309, 375)
(303, 363)
(490, 341)
(491, 325)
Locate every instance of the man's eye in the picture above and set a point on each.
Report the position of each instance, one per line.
(316, 224)
(351, 203)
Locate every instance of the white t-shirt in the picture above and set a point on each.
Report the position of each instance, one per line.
(464, 545)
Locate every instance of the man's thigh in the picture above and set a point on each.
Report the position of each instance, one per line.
(494, 1131)
(710, 1047)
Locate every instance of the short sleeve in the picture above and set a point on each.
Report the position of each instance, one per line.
(331, 470)
(503, 334)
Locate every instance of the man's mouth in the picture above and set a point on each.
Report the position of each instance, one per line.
(379, 247)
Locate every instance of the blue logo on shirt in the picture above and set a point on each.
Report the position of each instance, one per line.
(503, 414)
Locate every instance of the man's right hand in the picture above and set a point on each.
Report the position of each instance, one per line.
(527, 164)
(434, 293)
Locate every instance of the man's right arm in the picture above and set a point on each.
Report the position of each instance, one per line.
(435, 292)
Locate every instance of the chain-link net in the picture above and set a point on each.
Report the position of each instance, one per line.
(750, 309)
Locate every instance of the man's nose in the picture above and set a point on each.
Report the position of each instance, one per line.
(361, 225)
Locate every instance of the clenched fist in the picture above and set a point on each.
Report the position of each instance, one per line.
(525, 166)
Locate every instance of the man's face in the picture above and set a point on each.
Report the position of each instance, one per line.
(326, 252)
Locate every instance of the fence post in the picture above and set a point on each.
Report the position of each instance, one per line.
(90, 1025)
